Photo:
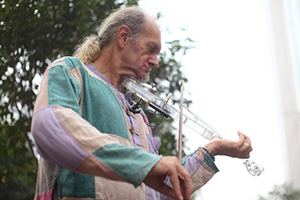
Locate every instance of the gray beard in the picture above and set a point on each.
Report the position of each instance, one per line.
(145, 79)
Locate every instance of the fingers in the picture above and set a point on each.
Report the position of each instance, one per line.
(181, 182)
(246, 138)
(185, 182)
(179, 177)
(176, 185)
(245, 147)
(242, 139)
(167, 190)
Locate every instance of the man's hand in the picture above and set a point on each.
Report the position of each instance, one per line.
(236, 149)
(180, 178)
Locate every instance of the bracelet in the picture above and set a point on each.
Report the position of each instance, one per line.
(209, 153)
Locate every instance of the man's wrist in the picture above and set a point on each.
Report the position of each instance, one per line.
(212, 148)
(212, 157)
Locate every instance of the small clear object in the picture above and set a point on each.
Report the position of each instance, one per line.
(253, 168)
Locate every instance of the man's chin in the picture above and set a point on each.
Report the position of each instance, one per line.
(145, 78)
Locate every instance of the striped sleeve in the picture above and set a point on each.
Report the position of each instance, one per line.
(201, 167)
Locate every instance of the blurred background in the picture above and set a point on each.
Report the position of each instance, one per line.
(244, 74)
(240, 60)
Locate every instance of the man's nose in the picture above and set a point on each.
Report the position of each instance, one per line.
(153, 62)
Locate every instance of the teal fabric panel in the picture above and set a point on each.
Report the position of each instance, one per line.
(73, 62)
(106, 114)
(63, 89)
(131, 163)
(210, 162)
(74, 185)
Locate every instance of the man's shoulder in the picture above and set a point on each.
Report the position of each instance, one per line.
(68, 65)
(71, 62)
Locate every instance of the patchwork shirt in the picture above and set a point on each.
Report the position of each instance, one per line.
(90, 145)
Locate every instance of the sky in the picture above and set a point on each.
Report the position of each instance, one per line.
(231, 83)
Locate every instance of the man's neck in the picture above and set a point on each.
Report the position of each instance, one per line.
(107, 64)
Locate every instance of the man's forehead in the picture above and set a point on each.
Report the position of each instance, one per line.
(153, 33)
(152, 25)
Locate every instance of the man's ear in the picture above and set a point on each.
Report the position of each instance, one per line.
(123, 35)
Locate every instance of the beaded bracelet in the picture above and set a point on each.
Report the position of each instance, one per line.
(209, 153)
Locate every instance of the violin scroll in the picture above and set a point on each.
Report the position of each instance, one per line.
(253, 168)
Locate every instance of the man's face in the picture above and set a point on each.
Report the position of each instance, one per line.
(142, 55)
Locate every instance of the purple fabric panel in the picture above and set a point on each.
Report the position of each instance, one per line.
(136, 140)
(130, 118)
(147, 122)
(152, 194)
(192, 163)
(154, 144)
(53, 142)
(93, 69)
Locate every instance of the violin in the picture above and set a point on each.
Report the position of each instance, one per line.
(145, 92)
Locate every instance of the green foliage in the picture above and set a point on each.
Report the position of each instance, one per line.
(17, 169)
(283, 192)
(32, 34)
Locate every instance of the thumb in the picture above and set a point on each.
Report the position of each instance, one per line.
(241, 137)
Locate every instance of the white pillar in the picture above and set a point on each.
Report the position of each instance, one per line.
(284, 67)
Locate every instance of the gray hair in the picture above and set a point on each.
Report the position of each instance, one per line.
(134, 17)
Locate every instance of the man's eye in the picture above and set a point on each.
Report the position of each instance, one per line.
(152, 50)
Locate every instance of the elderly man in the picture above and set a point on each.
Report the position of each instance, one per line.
(91, 145)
